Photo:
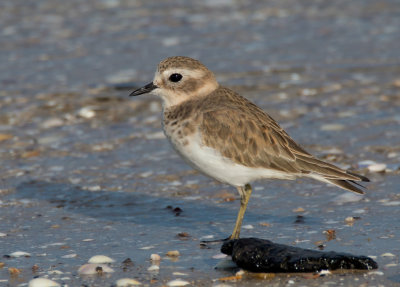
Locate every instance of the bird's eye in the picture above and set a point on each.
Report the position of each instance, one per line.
(175, 78)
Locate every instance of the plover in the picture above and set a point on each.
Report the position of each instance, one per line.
(227, 137)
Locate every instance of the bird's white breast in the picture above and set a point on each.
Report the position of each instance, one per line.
(212, 163)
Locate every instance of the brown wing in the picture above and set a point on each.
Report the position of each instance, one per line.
(248, 136)
(243, 140)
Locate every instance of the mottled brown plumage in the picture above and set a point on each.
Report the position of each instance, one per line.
(244, 133)
(229, 138)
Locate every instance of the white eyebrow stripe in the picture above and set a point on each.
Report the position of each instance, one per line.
(197, 73)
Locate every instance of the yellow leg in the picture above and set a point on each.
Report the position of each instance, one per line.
(245, 192)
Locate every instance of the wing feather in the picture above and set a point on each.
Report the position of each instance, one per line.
(244, 133)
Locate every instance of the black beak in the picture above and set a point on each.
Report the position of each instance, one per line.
(144, 90)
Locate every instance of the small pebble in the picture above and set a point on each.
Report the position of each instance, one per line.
(346, 114)
(155, 257)
(146, 174)
(127, 282)
(93, 188)
(87, 113)
(43, 282)
(376, 273)
(51, 123)
(153, 268)
(332, 127)
(4, 137)
(388, 254)
(177, 282)
(249, 226)
(299, 209)
(219, 256)
(155, 136)
(308, 92)
(73, 255)
(325, 272)
(128, 262)
(391, 203)
(330, 234)
(207, 237)
(173, 253)
(100, 259)
(377, 167)
(396, 83)
(20, 254)
(350, 219)
(13, 271)
(295, 77)
(183, 235)
(147, 247)
(170, 41)
(91, 269)
(359, 211)
(179, 274)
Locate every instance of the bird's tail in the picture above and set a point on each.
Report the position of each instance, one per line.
(350, 184)
(326, 172)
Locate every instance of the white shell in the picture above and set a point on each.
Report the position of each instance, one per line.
(173, 253)
(100, 259)
(127, 282)
(377, 167)
(20, 254)
(90, 269)
(87, 113)
(153, 268)
(43, 282)
(155, 257)
(388, 254)
(177, 282)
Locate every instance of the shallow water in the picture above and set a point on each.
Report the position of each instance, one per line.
(86, 170)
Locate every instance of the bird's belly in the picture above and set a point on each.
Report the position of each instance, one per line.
(210, 162)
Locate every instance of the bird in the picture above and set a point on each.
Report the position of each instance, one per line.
(228, 138)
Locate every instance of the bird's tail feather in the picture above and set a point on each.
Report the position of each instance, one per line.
(361, 177)
(343, 182)
(347, 184)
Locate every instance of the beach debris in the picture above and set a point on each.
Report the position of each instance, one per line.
(153, 268)
(92, 269)
(173, 253)
(17, 254)
(43, 282)
(260, 255)
(177, 283)
(101, 259)
(155, 257)
(127, 282)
